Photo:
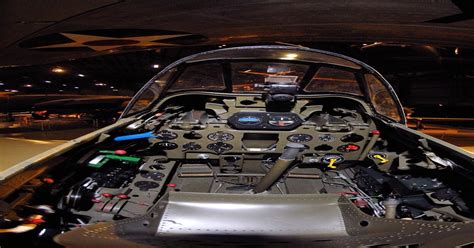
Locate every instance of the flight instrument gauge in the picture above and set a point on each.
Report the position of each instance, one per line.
(326, 137)
(191, 146)
(219, 147)
(299, 138)
(249, 120)
(220, 136)
(281, 120)
(166, 135)
(165, 145)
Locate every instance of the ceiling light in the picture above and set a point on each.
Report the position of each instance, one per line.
(289, 56)
(47, 81)
(64, 85)
(28, 85)
(2, 84)
(377, 43)
(13, 90)
(58, 70)
(156, 66)
(457, 51)
(81, 75)
(112, 87)
(75, 87)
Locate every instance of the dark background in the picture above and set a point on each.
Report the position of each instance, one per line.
(435, 81)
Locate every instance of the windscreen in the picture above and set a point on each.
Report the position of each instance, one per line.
(249, 76)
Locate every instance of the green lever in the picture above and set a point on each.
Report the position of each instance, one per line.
(123, 158)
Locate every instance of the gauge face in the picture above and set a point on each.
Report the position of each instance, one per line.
(219, 147)
(146, 185)
(299, 138)
(326, 159)
(154, 175)
(348, 148)
(220, 136)
(249, 120)
(326, 137)
(165, 145)
(166, 135)
(191, 146)
(280, 121)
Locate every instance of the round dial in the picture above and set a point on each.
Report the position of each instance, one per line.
(249, 120)
(191, 146)
(299, 138)
(281, 121)
(219, 147)
(146, 185)
(165, 145)
(154, 175)
(220, 136)
(166, 135)
(348, 148)
(326, 137)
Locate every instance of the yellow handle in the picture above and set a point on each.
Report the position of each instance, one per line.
(331, 163)
(381, 159)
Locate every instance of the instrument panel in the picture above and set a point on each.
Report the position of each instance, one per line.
(246, 129)
(260, 132)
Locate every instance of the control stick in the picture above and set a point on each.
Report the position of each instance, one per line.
(289, 155)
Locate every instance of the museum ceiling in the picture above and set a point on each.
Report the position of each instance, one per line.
(52, 30)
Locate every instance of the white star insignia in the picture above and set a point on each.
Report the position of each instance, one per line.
(102, 43)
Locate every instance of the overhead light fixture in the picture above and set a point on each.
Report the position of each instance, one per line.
(100, 84)
(58, 70)
(156, 66)
(81, 75)
(75, 87)
(112, 87)
(377, 43)
(2, 84)
(289, 56)
(14, 91)
(28, 85)
(457, 51)
(64, 85)
(47, 81)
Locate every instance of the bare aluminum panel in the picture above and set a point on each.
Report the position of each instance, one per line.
(269, 215)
